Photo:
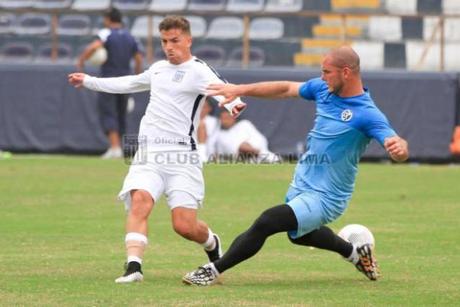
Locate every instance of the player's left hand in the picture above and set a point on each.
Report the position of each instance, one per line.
(237, 109)
(397, 148)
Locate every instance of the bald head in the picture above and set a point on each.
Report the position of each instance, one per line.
(344, 56)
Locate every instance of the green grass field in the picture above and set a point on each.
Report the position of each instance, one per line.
(62, 231)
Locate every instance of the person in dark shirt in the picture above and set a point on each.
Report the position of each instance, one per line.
(121, 47)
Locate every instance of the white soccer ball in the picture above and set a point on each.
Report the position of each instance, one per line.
(357, 234)
(98, 57)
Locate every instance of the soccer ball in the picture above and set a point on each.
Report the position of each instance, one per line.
(98, 57)
(357, 234)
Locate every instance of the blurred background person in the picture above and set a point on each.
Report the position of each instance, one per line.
(239, 138)
(207, 130)
(121, 47)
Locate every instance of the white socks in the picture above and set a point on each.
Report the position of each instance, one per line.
(210, 243)
(135, 259)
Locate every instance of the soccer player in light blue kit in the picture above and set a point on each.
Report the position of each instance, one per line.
(346, 120)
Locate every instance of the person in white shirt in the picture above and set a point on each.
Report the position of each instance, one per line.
(240, 138)
(167, 161)
(207, 130)
(225, 137)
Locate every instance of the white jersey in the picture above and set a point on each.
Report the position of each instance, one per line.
(176, 93)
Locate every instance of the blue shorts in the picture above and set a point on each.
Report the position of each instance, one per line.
(308, 212)
(312, 210)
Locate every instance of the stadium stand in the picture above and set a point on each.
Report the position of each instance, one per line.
(91, 5)
(317, 5)
(451, 57)
(74, 25)
(355, 5)
(256, 57)
(429, 6)
(198, 25)
(372, 54)
(394, 55)
(283, 6)
(390, 32)
(33, 24)
(451, 7)
(140, 26)
(64, 54)
(225, 28)
(17, 52)
(242, 6)
(213, 55)
(16, 4)
(388, 29)
(135, 5)
(7, 23)
(401, 7)
(167, 5)
(452, 29)
(52, 4)
(206, 5)
(412, 28)
(414, 53)
(265, 28)
(277, 52)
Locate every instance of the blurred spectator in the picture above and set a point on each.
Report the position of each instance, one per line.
(121, 47)
(209, 125)
(231, 138)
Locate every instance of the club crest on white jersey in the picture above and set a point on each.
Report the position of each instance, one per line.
(346, 115)
(178, 76)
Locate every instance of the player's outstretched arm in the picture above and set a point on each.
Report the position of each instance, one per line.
(115, 85)
(271, 89)
(76, 79)
(397, 148)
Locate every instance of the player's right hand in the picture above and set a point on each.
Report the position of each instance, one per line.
(228, 91)
(76, 79)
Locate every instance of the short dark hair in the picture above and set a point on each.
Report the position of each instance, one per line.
(175, 22)
(114, 15)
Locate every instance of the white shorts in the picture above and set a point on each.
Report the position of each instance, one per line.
(176, 174)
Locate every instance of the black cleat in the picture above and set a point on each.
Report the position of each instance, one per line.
(133, 273)
(366, 263)
(203, 276)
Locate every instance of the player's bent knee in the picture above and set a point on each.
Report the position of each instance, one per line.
(141, 204)
(265, 221)
(296, 241)
(183, 229)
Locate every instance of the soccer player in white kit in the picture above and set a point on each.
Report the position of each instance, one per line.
(167, 130)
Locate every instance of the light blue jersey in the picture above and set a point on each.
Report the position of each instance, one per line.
(324, 178)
